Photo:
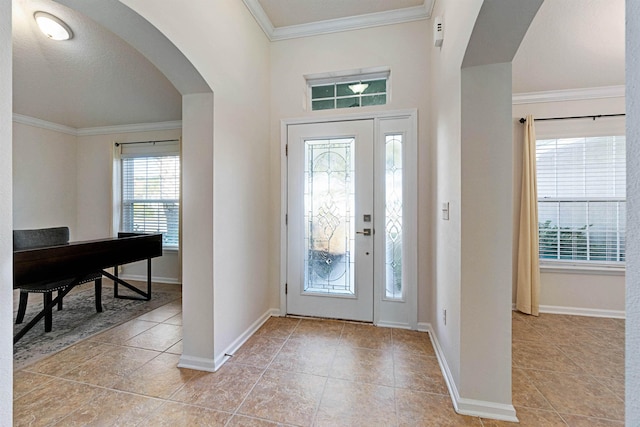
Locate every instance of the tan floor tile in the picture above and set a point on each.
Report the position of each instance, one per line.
(613, 338)
(578, 395)
(285, 397)
(24, 382)
(419, 372)
(278, 327)
(162, 313)
(70, 358)
(529, 418)
(43, 406)
(561, 321)
(124, 332)
(412, 341)
(559, 335)
(159, 377)
(109, 368)
(112, 408)
(615, 385)
(534, 355)
(416, 408)
(173, 414)
(366, 336)
(345, 403)
(323, 331)
(306, 357)
(363, 365)
(159, 338)
(258, 351)
(525, 394)
(600, 361)
(223, 390)
(523, 331)
(176, 348)
(598, 322)
(577, 421)
(175, 320)
(243, 421)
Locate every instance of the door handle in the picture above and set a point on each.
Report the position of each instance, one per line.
(365, 231)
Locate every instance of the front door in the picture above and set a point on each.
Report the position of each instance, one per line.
(330, 220)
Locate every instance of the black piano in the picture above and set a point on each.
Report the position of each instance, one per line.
(77, 259)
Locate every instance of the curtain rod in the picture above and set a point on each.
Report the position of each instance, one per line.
(145, 142)
(522, 120)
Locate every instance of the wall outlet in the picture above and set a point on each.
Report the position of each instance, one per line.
(444, 316)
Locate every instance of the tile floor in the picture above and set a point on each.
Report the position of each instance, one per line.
(566, 371)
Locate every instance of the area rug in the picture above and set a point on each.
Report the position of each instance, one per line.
(79, 320)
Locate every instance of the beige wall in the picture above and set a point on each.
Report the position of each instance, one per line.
(44, 179)
(401, 47)
(95, 203)
(576, 292)
(226, 45)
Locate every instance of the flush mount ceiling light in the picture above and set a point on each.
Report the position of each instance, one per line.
(359, 87)
(52, 26)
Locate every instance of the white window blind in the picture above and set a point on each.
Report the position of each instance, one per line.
(581, 199)
(151, 189)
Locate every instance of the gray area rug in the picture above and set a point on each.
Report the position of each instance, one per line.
(79, 320)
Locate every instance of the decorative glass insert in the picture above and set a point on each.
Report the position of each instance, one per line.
(582, 199)
(329, 216)
(393, 216)
(358, 93)
(151, 196)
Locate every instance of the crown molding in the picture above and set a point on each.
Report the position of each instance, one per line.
(396, 16)
(138, 127)
(103, 130)
(568, 95)
(43, 124)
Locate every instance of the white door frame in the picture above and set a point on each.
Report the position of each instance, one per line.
(410, 217)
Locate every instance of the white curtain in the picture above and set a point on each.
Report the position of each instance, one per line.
(528, 282)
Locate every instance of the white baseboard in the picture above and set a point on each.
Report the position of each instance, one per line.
(143, 278)
(197, 363)
(463, 406)
(579, 311)
(235, 345)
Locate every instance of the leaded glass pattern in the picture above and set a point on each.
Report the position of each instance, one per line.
(329, 216)
(393, 216)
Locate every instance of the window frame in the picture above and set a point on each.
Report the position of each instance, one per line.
(144, 149)
(557, 130)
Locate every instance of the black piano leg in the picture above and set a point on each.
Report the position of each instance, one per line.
(22, 307)
(48, 315)
(115, 284)
(148, 279)
(98, 286)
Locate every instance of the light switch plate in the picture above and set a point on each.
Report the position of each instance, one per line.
(445, 211)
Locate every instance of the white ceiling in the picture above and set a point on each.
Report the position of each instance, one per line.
(96, 79)
(93, 80)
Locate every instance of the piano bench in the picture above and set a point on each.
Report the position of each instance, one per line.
(47, 288)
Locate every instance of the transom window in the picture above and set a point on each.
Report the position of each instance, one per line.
(357, 93)
(582, 199)
(348, 89)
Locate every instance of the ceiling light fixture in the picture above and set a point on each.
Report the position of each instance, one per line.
(358, 87)
(52, 26)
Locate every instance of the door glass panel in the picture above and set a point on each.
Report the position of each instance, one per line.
(393, 216)
(329, 216)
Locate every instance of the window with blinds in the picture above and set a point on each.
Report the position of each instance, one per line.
(151, 191)
(581, 199)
